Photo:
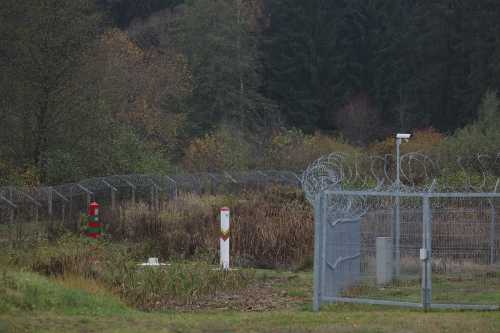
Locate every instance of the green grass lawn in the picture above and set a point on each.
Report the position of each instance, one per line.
(334, 319)
(482, 289)
(32, 303)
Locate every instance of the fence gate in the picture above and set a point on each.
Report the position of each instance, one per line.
(341, 263)
(338, 252)
(368, 252)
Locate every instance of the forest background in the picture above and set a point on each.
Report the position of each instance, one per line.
(98, 87)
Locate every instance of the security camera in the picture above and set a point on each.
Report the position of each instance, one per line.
(403, 136)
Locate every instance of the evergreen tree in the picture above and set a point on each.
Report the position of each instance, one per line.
(300, 46)
(220, 41)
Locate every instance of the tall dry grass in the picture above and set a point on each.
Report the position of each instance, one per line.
(105, 267)
(271, 228)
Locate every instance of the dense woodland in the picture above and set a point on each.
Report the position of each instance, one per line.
(97, 87)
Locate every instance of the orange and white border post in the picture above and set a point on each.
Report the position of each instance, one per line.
(224, 238)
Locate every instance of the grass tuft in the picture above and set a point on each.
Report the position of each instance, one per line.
(28, 291)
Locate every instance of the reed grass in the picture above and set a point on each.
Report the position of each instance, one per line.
(271, 228)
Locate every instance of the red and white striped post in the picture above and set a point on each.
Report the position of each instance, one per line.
(224, 238)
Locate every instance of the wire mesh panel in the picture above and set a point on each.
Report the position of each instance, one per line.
(392, 268)
(429, 250)
(423, 241)
(6, 223)
(360, 261)
(47, 211)
(464, 251)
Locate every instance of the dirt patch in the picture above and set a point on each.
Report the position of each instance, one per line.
(262, 295)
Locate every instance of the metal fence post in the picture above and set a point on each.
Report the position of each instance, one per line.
(155, 202)
(426, 254)
(493, 227)
(50, 201)
(318, 255)
(64, 200)
(63, 213)
(12, 208)
(113, 191)
(396, 235)
(132, 188)
(157, 197)
(35, 208)
(12, 222)
(70, 213)
(324, 222)
(152, 194)
(492, 233)
(175, 193)
(113, 199)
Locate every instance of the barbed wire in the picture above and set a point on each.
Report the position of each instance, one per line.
(479, 173)
(418, 172)
(335, 171)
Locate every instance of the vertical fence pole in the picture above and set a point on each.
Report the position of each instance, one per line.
(50, 211)
(35, 208)
(318, 222)
(70, 213)
(113, 191)
(152, 194)
(113, 199)
(50, 202)
(12, 215)
(493, 236)
(397, 212)
(64, 200)
(324, 222)
(11, 221)
(89, 195)
(156, 197)
(396, 236)
(426, 254)
(63, 211)
(174, 192)
(493, 233)
(132, 188)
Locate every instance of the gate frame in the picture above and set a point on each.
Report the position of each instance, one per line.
(320, 221)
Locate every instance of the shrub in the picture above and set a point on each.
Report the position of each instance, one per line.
(224, 149)
(294, 150)
(481, 137)
(10, 175)
(425, 141)
(69, 254)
